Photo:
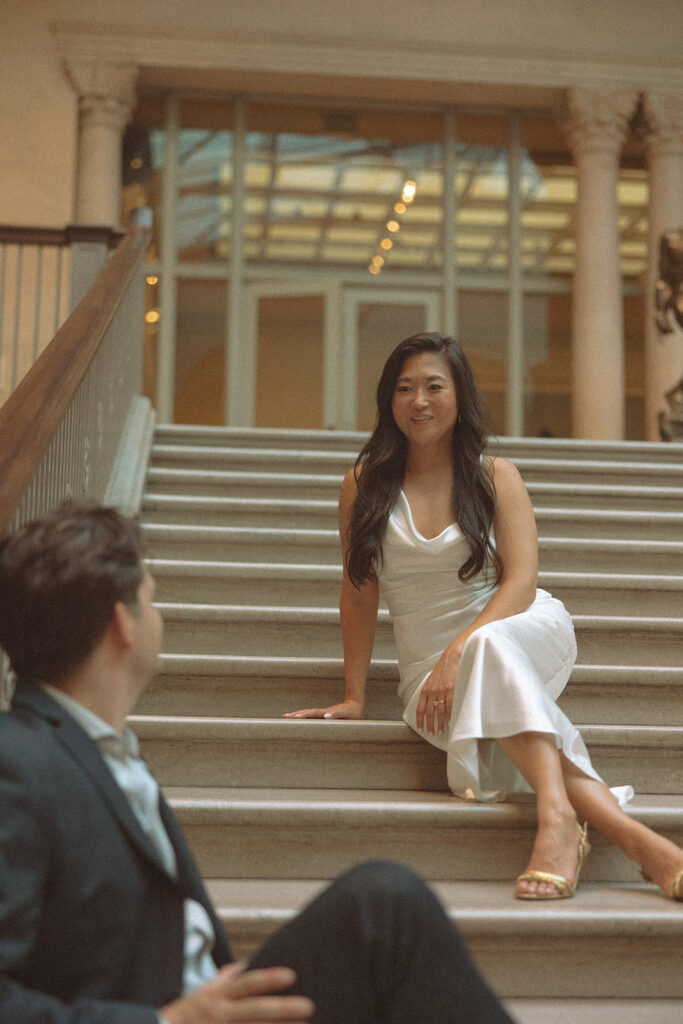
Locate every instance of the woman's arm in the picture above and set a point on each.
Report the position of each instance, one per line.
(517, 544)
(358, 612)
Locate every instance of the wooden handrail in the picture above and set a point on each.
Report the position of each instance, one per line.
(33, 411)
(11, 234)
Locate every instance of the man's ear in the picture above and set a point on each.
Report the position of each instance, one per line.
(123, 625)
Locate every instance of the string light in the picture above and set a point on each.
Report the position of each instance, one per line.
(408, 193)
(409, 190)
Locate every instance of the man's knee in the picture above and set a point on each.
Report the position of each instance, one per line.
(384, 880)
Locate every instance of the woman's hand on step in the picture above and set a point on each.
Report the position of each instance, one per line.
(348, 709)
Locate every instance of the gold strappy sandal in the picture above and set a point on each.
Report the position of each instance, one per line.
(564, 889)
(676, 888)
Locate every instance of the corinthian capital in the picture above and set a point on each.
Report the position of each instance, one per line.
(106, 91)
(663, 121)
(597, 119)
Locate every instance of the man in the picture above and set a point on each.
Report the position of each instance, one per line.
(103, 915)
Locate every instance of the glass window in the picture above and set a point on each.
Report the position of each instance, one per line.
(203, 208)
(482, 331)
(343, 190)
(548, 197)
(200, 351)
(634, 334)
(547, 347)
(380, 327)
(290, 356)
(482, 191)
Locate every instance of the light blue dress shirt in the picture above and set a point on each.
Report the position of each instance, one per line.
(122, 756)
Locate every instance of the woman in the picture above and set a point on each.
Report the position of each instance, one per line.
(447, 533)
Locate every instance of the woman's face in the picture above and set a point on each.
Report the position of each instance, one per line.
(424, 403)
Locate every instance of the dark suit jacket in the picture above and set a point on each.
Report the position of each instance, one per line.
(91, 926)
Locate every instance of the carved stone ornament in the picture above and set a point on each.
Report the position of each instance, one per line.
(106, 90)
(597, 119)
(669, 287)
(663, 129)
(669, 301)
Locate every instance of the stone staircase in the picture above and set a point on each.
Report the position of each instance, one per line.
(241, 533)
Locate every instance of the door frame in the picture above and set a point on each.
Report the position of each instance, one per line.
(354, 297)
(331, 291)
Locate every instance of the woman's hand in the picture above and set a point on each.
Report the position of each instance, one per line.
(349, 709)
(436, 698)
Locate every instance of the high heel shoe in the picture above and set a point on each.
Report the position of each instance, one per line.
(676, 888)
(564, 889)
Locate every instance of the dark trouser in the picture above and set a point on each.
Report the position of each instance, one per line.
(376, 946)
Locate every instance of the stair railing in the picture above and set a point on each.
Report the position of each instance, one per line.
(44, 272)
(77, 425)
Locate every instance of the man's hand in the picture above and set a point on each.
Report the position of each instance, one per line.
(236, 996)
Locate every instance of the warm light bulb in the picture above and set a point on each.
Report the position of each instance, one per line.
(400, 208)
(152, 317)
(409, 190)
(373, 269)
(386, 243)
(378, 261)
(393, 225)
(152, 279)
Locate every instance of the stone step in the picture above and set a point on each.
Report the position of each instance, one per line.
(607, 498)
(243, 484)
(612, 524)
(283, 584)
(285, 513)
(277, 753)
(243, 543)
(257, 482)
(321, 547)
(518, 945)
(597, 1011)
(317, 833)
(281, 631)
(256, 686)
(533, 466)
(642, 516)
(352, 441)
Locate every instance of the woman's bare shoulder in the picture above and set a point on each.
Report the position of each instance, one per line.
(349, 489)
(504, 472)
(511, 492)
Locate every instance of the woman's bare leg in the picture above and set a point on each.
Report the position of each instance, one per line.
(563, 793)
(556, 847)
(659, 858)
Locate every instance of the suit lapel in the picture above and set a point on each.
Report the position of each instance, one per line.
(86, 752)
(191, 882)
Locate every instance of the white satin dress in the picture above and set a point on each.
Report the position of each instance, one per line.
(511, 672)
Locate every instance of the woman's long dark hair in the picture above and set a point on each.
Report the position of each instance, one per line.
(380, 468)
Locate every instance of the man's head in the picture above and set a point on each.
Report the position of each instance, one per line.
(61, 577)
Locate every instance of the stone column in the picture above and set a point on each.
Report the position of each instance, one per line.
(106, 99)
(596, 127)
(664, 146)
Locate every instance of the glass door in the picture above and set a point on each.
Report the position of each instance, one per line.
(375, 322)
(290, 355)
